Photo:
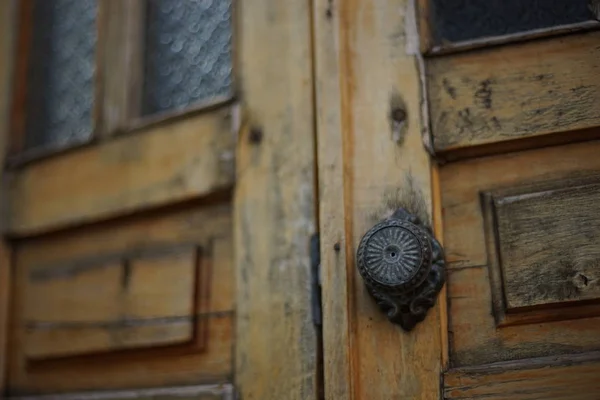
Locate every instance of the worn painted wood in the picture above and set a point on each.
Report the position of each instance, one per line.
(123, 47)
(513, 92)
(482, 333)
(477, 338)
(548, 243)
(8, 28)
(164, 164)
(118, 303)
(553, 378)
(276, 342)
(371, 161)
(462, 181)
(567, 287)
(158, 291)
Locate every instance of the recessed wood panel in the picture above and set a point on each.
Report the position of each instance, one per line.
(125, 302)
(548, 243)
(142, 301)
(484, 329)
(514, 92)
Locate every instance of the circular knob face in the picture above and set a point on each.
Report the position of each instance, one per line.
(395, 255)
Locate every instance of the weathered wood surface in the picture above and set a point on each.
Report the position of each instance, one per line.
(461, 183)
(121, 302)
(123, 59)
(476, 336)
(548, 243)
(371, 160)
(183, 160)
(158, 295)
(550, 378)
(276, 342)
(514, 92)
(477, 339)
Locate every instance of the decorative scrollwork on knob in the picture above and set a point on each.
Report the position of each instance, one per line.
(402, 265)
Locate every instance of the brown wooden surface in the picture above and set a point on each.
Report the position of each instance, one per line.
(552, 284)
(8, 22)
(208, 358)
(276, 342)
(369, 164)
(462, 181)
(123, 47)
(514, 92)
(548, 243)
(117, 303)
(552, 378)
(476, 337)
(165, 164)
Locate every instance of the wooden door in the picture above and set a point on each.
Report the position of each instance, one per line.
(481, 118)
(158, 200)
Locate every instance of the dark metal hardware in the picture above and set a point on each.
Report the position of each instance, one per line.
(315, 264)
(402, 265)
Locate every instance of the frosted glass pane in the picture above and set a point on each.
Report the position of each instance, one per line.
(458, 20)
(188, 53)
(60, 85)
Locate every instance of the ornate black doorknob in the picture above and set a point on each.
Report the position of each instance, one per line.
(402, 265)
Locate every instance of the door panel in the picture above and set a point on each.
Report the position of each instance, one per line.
(100, 302)
(156, 166)
(513, 92)
(371, 160)
(275, 204)
(521, 235)
(552, 378)
(111, 302)
(512, 200)
(125, 280)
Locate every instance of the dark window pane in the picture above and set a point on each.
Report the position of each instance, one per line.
(60, 85)
(459, 20)
(188, 53)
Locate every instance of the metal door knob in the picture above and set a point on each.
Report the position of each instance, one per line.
(402, 265)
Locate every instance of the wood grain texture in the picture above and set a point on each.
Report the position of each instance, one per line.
(8, 22)
(463, 181)
(477, 335)
(369, 164)
(477, 339)
(550, 378)
(165, 164)
(276, 342)
(548, 243)
(514, 92)
(542, 313)
(119, 303)
(123, 47)
(207, 358)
